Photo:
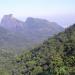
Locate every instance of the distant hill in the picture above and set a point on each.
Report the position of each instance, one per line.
(56, 56)
(40, 28)
(18, 35)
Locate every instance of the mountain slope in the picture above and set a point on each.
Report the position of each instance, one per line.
(40, 28)
(25, 35)
(56, 56)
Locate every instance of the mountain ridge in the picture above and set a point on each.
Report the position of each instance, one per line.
(26, 34)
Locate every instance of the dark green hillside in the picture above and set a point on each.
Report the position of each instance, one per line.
(55, 57)
(6, 60)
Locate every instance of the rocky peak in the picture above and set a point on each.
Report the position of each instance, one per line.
(9, 22)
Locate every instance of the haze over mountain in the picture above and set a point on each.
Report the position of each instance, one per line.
(61, 11)
(17, 35)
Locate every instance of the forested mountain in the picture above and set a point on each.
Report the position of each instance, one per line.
(10, 41)
(40, 28)
(56, 56)
(18, 35)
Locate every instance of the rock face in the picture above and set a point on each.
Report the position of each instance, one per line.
(11, 23)
(18, 35)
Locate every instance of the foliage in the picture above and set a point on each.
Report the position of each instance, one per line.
(56, 56)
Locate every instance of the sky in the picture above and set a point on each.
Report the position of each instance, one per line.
(60, 11)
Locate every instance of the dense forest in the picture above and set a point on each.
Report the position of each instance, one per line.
(56, 56)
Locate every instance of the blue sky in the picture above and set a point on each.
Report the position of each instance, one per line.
(60, 11)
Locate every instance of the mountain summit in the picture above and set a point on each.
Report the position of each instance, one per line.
(11, 23)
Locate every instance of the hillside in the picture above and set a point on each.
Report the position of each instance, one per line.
(21, 35)
(56, 56)
(10, 41)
